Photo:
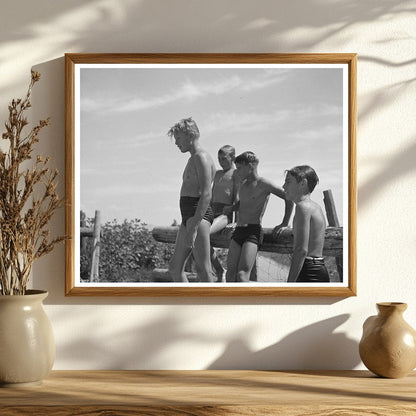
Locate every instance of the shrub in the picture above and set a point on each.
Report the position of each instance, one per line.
(128, 252)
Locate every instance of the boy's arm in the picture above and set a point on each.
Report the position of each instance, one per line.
(278, 191)
(301, 227)
(236, 200)
(232, 208)
(236, 187)
(214, 183)
(203, 171)
(288, 212)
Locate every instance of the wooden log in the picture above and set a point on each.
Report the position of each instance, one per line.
(95, 261)
(83, 224)
(86, 232)
(283, 244)
(331, 214)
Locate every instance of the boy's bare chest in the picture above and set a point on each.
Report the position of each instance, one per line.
(190, 173)
(225, 179)
(250, 193)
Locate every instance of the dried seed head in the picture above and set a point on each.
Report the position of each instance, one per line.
(35, 76)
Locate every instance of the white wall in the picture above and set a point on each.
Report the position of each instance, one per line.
(255, 333)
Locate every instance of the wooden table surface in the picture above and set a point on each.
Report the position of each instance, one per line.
(254, 393)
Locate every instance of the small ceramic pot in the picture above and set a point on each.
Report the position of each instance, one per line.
(388, 345)
(27, 346)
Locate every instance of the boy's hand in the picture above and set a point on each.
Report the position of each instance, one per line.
(278, 230)
(231, 226)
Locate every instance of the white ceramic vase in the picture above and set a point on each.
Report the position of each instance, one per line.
(27, 346)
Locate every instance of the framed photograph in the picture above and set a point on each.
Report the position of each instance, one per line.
(190, 174)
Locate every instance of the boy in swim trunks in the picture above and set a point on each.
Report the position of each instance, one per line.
(308, 227)
(254, 194)
(224, 194)
(195, 197)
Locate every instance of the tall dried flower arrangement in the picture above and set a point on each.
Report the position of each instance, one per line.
(28, 199)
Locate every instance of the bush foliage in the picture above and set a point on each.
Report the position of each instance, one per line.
(128, 252)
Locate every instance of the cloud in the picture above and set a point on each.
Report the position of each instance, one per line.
(130, 188)
(268, 78)
(255, 121)
(187, 91)
(150, 138)
(321, 133)
(219, 122)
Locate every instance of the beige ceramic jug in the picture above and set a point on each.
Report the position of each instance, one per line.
(388, 345)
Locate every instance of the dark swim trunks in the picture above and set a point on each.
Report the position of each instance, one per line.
(188, 205)
(252, 233)
(313, 271)
(218, 207)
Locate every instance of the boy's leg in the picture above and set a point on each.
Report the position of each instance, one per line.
(217, 266)
(232, 261)
(247, 260)
(178, 260)
(219, 224)
(201, 252)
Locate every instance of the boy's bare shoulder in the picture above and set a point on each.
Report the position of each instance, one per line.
(202, 157)
(265, 184)
(308, 208)
(201, 154)
(304, 207)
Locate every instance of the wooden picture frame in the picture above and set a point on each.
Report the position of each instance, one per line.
(109, 97)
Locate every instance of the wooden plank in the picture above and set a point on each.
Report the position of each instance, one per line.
(175, 410)
(219, 392)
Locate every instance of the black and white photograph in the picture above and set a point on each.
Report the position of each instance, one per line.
(210, 176)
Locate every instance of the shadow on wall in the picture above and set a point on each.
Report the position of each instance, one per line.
(133, 26)
(153, 345)
(314, 347)
(266, 19)
(123, 347)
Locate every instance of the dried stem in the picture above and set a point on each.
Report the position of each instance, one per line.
(23, 218)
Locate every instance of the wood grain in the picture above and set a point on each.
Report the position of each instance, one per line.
(211, 58)
(213, 393)
(213, 291)
(69, 173)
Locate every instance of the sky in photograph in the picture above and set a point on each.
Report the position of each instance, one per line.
(130, 168)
